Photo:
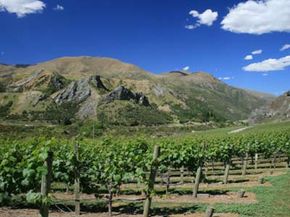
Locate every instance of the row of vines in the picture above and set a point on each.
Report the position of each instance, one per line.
(109, 163)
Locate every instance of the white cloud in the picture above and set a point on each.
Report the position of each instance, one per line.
(22, 7)
(285, 47)
(265, 74)
(186, 68)
(190, 27)
(258, 17)
(226, 78)
(248, 57)
(269, 65)
(205, 18)
(58, 8)
(255, 52)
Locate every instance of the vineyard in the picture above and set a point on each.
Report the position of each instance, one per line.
(141, 176)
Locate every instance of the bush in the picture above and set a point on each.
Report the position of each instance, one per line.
(5, 109)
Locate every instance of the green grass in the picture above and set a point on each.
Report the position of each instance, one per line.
(272, 201)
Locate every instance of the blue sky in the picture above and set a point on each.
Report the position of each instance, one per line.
(157, 35)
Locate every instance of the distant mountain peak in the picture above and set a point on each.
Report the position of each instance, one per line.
(203, 74)
(83, 66)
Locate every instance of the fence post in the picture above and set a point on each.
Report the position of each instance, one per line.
(274, 161)
(77, 180)
(256, 162)
(167, 181)
(241, 193)
(244, 171)
(152, 177)
(45, 184)
(182, 175)
(206, 169)
(227, 170)
(209, 212)
(197, 181)
(110, 200)
(212, 166)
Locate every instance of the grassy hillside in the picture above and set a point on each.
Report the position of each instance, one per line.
(44, 90)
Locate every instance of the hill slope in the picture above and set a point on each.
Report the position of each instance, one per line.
(72, 88)
(278, 109)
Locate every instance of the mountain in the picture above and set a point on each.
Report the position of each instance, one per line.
(277, 109)
(267, 96)
(70, 89)
(82, 67)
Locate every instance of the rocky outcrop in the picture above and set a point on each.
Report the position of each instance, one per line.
(57, 81)
(142, 99)
(97, 82)
(79, 91)
(39, 80)
(122, 93)
(76, 92)
(278, 109)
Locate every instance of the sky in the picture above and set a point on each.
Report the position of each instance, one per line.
(245, 43)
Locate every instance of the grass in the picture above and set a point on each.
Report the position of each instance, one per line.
(272, 201)
(43, 129)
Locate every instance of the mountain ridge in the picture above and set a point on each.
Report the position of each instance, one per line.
(175, 96)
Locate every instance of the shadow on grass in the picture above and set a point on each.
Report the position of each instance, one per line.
(165, 210)
(189, 192)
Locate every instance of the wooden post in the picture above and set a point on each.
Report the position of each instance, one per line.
(151, 182)
(167, 181)
(241, 193)
(209, 212)
(66, 188)
(197, 181)
(227, 170)
(110, 205)
(244, 171)
(274, 161)
(45, 184)
(182, 175)
(256, 162)
(161, 175)
(77, 180)
(206, 169)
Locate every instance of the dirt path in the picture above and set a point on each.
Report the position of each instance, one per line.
(239, 130)
(229, 197)
(253, 182)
